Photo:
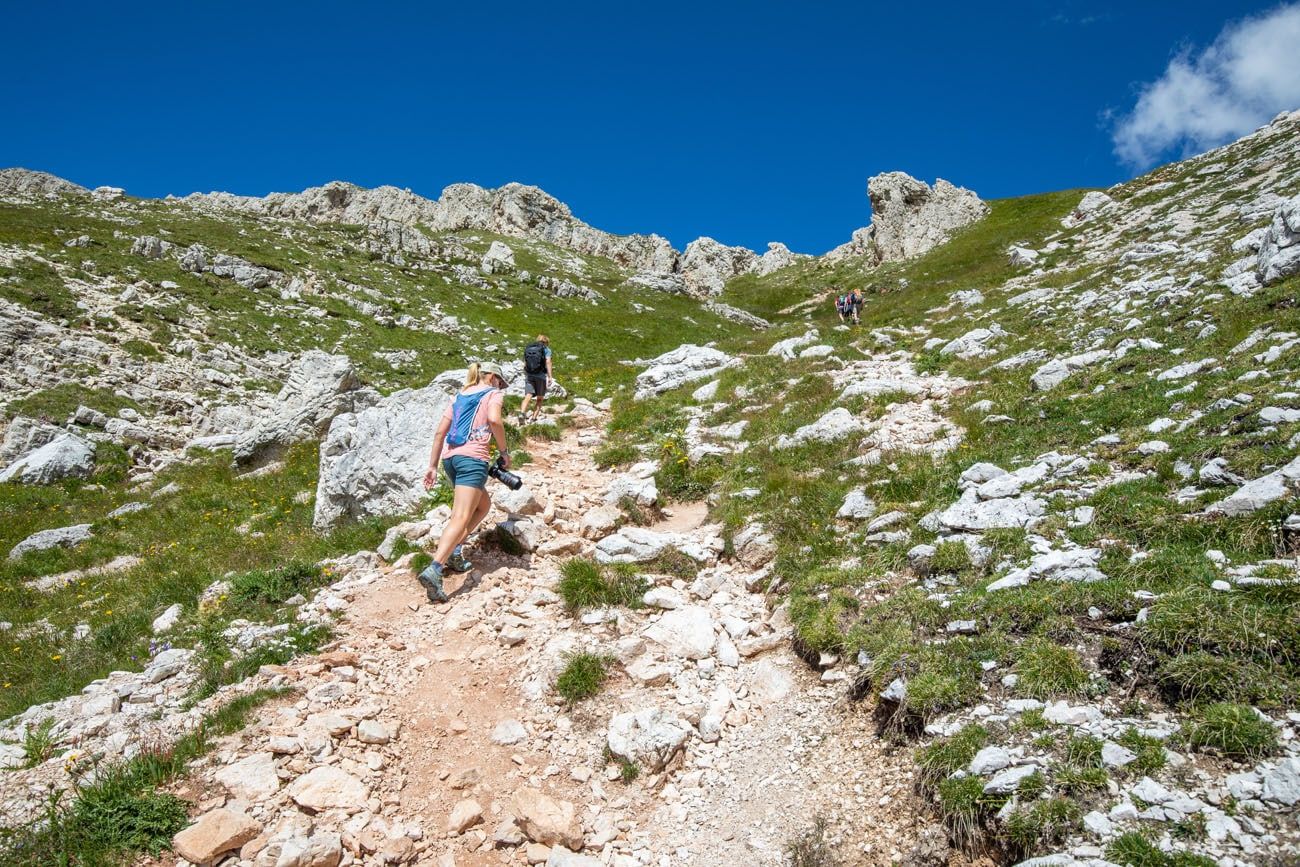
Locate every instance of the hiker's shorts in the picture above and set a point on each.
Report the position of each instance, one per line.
(535, 385)
(466, 472)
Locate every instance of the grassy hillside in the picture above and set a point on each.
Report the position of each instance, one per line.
(152, 314)
(1153, 636)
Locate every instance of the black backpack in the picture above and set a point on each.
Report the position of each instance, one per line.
(534, 359)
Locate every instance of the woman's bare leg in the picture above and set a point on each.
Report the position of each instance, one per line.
(481, 509)
(463, 506)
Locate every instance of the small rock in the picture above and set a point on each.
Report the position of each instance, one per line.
(509, 732)
(215, 833)
(466, 814)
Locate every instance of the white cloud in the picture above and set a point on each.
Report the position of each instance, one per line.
(1249, 74)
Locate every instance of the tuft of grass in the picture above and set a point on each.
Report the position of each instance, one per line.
(615, 455)
(1044, 824)
(115, 816)
(950, 557)
(508, 543)
(674, 563)
(1048, 670)
(1083, 751)
(1032, 786)
(1200, 676)
(548, 432)
(272, 586)
(929, 362)
(583, 676)
(1234, 730)
(39, 744)
(962, 803)
(678, 479)
(636, 514)
(811, 848)
(1077, 781)
(585, 584)
(1134, 850)
(938, 760)
(1150, 752)
(628, 770)
(1031, 721)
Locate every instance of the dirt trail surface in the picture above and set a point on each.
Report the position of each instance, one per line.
(431, 734)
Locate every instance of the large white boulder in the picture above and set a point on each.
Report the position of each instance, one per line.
(789, 348)
(1089, 206)
(59, 537)
(66, 456)
(327, 787)
(686, 363)
(319, 387)
(971, 514)
(1054, 372)
(1258, 493)
(1279, 252)
(834, 425)
(373, 462)
(498, 259)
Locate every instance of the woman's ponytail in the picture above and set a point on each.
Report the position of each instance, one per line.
(471, 375)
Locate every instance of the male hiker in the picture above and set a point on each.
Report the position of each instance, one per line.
(537, 376)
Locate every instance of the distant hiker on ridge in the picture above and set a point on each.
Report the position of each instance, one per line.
(537, 376)
(468, 424)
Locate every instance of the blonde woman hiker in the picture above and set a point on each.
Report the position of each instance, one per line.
(468, 425)
(537, 376)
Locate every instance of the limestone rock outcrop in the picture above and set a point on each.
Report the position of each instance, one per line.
(319, 387)
(1279, 253)
(909, 217)
(707, 265)
(372, 461)
(66, 456)
(686, 363)
(25, 183)
(778, 256)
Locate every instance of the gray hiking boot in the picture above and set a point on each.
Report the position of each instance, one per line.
(457, 563)
(431, 578)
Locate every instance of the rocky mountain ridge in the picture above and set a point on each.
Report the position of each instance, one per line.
(910, 218)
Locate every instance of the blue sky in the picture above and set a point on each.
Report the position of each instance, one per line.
(748, 122)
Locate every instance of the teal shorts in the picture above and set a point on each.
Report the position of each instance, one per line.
(466, 472)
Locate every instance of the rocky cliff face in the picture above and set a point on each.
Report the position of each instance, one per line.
(910, 217)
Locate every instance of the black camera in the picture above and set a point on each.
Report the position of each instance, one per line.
(504, 476)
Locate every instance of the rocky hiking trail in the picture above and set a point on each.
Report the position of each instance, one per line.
(431, 734)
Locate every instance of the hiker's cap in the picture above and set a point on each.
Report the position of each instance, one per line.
(489, 367)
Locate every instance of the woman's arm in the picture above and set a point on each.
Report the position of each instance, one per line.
(440, 436)
(498, 428)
